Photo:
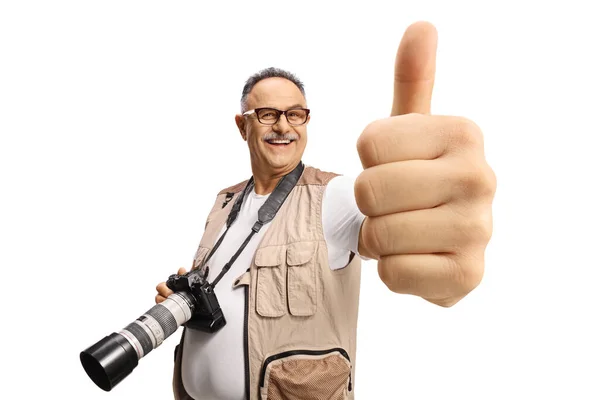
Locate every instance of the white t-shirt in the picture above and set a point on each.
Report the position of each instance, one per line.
(213, 363)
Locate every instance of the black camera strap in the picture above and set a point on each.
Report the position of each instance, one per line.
(266, 213)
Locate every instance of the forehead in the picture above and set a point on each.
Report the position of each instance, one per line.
(275, 92)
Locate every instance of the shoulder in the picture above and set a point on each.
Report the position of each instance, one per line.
(225, 196)
(340, 191)
(315, 176)
(238, 187)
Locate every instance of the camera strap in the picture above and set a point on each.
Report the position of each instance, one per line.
(266, 213)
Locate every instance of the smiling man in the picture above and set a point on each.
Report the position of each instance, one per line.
(288, 285)
(276, 144)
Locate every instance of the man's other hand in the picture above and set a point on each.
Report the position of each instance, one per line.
(163, 290)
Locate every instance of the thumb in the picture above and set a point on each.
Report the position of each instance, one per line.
(181, 271)
(414, 72)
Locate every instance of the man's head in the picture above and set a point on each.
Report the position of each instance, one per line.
(276, 144)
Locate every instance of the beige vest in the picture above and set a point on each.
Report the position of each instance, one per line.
(301, 316)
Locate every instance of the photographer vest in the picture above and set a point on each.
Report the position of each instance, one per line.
(301, 316)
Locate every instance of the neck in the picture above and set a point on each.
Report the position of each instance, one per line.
(265, 181)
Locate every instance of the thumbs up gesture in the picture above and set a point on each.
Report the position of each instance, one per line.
(426, 188)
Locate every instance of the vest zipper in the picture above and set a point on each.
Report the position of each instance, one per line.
(246, 358)
(309, 352)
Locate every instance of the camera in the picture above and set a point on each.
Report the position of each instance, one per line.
(193, 304)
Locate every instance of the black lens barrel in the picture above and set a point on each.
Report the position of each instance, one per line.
(112, 359)
(109, 361)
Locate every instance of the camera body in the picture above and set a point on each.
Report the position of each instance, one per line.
(207, 314)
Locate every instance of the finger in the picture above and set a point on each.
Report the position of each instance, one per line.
(407, 186)
(159, 299)
(414, 72)
(163, 289)
(437, 230)
(431, 276)
(181, 271)
(416, 137)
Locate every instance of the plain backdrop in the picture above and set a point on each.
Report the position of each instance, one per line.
(117, 131)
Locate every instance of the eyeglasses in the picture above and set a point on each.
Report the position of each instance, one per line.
(270, 116)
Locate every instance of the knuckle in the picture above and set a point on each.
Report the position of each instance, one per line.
(465, 132)
(463, 277)
(476, 181)
(485, 226)
(489, 182)
(477, 227)
(467, 183)
(469, 275)
(469, 128)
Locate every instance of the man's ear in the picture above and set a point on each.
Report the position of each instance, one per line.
(241, 124)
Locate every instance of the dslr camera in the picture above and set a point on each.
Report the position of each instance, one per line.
(193, 303)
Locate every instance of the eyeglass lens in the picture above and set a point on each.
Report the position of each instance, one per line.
(271, 116)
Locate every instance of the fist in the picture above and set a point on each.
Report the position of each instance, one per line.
(426, 188)
(162, 289)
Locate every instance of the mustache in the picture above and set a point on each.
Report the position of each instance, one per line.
(276, 136)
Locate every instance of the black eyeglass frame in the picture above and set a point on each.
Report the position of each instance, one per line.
(279, 112)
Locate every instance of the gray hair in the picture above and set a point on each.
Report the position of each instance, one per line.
(271, 72)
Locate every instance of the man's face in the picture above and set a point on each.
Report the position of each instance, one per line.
(267, 151)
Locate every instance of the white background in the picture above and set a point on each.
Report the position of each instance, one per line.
(117, 131)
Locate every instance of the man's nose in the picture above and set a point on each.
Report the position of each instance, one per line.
(282, 125)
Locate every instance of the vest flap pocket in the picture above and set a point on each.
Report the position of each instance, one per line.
(269, 256)
(307, 374)
(300, 253)
(302, 278)
(270, 281)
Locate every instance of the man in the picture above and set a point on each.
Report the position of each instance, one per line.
(421, 207)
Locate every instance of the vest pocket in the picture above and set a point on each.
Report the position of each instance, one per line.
(270, 281)
(306, 374)
(302, 278)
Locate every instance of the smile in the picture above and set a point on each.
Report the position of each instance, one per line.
(279, 142)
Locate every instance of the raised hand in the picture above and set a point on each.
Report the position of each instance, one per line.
(426, 188)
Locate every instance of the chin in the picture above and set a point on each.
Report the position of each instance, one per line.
(280, 164)
(278, 159)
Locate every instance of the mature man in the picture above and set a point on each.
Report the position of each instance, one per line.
(421, 207)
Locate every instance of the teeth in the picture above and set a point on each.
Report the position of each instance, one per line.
(279, 141)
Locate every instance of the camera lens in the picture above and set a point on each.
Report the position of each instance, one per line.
(111, 359)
